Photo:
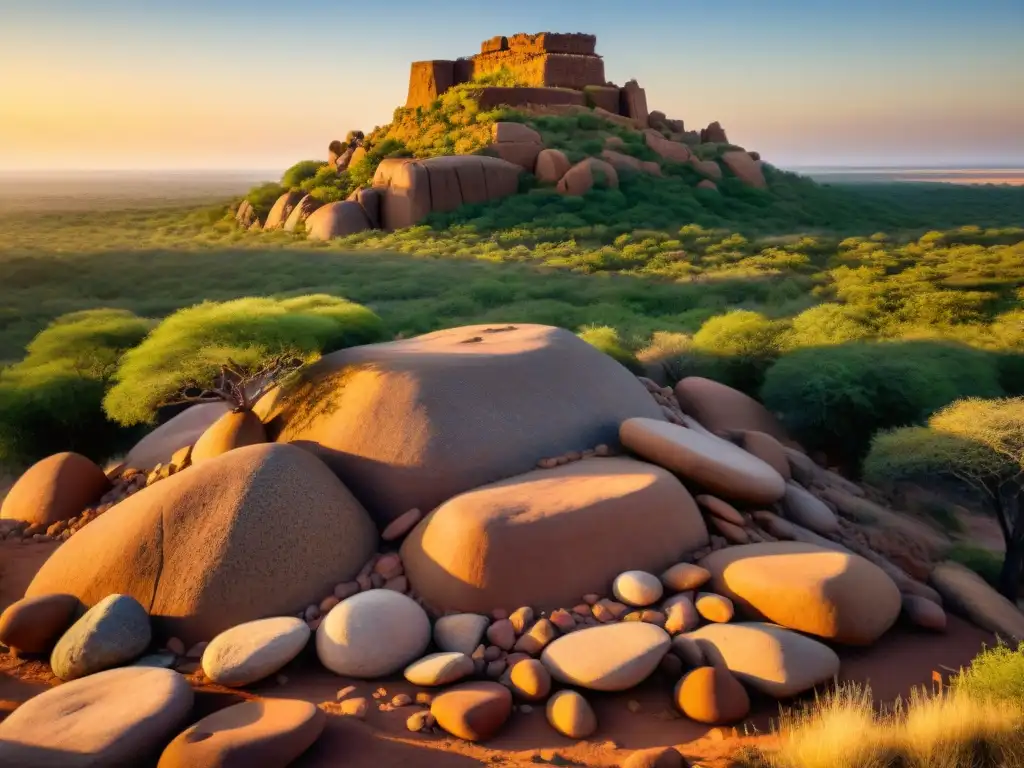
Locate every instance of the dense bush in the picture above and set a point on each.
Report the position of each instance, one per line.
(738, 347)
(301, 171)
(189, 352)
(263, 197)
(996, 674)
(836, 398)
(51, 400)
(607, 340)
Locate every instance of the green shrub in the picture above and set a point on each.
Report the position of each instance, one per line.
(738, 347)
(263, 197)
(607, 340)
(195, 349)
(995, 674)
(51, 400)
(836, 398)
(302, 170)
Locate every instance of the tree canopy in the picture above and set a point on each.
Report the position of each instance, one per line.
(234, 351)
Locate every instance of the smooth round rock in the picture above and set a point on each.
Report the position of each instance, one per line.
(723, 468)
(684, 577)
(720, 509)
(267, 732)
(966, 592)
(571, 715)
(688, 651)
(923, 613)
(612, 657)
(681, 615)
(119, 717)
(234, 429)
(473, 711)
(656, 757)
(839, 596)
(714, 607)
(767, 449)
(372, 634)
(112, 633)
(439, 669)
(637, 588)
(254, 650)
(721, 408)
(460, 632)
(35, 624)
(712, 696)
(769, 658)
(53, 489)
(806, 509)
(531, 680)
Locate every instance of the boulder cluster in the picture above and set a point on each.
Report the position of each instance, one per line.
(571, 546)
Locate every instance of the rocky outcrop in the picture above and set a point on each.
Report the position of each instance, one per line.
(968, 594)
(714, 134)
(232, 430)
(669, 150)
(628, 163)
(586, 175)
(480, 550)
(634, 103)
(337, 219)
(302, 211)
(552, 165)
(745, 168)
(282, 209)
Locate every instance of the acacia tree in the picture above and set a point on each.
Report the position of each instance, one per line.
(234, 352)
(979, 443)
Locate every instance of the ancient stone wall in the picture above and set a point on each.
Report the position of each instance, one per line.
(428, 80)
(603, 96)
(552, 42)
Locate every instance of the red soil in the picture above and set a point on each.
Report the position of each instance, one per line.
(903, 659)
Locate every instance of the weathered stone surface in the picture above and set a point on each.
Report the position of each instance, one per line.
(628, 163)
(474, 711)
(714, 134)
(587, 174)
(613, 657)
(439, 669)
(716, 608)
(712, 696)
(707, 184)
(230, 431)
(723, 409)
(637, 588)
(35, 624)
(478, 550)
(571, 715)
(837, 596)
(633, 103)
(254, 650)
(688, 650)
(370, 200)
(372, 634)
(773, 660)
(503, 132)
(521, 153)
(708, 168)
(431, 435)
(120, 717)
(55, 488)
(460, 632)
(719, 466)
(406, 188)
(767, 449)
(112, 633)
(184, 429)
(531, 680)
(775, 525)
(720, 509)
(804, 508)
(922, 612)
(966, 593)
(302, 211)
(282, 209)
(269, 732)
(656, 757)
(337, 219)
(551, 166)
(684, 577)
(745, 168)
(667, 149)
(220, 544)
(681, 615)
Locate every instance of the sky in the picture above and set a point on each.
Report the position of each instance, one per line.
(255, 84)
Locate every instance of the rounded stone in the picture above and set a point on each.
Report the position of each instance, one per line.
(681, 616)
(160, 445)
(722, 408)
(767, 449)
(712, 696)
(966, 592)
(656, 757)
(688, 651)
(924, 613)
(473, 711)
(531, 680)
(835, 595)
(637, 588)
(766, 657)
(684, 577)
(479, 550)
(112, 633)
(116, 717)
(372, 634)
(56, 488)
(254, 650)
(611, 657)
(439, 669)
(35, 624)
(234, 429)
(721, 509)
(461, 632)
(268, 732)
(220, 544)
(714, 608)
(806, 509)
(571, 715)
(716, 464)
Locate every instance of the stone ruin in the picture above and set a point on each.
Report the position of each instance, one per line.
(555, 69)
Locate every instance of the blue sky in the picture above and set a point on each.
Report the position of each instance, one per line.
(254, 84)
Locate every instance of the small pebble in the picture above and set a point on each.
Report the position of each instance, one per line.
(401, 700)
(312, 612)
(175, 646)
(525, 709)
(400, 526)
(633, 706)
(327, 604)
(354, 707)
(346, 590)
(344, 692)
(197, 650)
(591, 599)
(424, 698)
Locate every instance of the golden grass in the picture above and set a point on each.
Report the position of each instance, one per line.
(955, 730)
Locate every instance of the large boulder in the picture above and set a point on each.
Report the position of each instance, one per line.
(712, 695)
(120, 717)
(710, 462)
(282, 209)
(587, 174)
(302, 211)
(628, 163)
(768, 658)
(56, 488)
(232, 430)
(612, 657)
(337, 219)
(35, 624)
(497, 546)
(551, 166)
(806, 509)
(182, 430)
(966, 593)
(667, 149)
(840, 597)
(410, 424)
(745, 168)
(721, 408)
(260, 531)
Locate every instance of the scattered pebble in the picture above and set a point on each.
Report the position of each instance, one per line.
(354, 707)
(401, 700)
(345, 692)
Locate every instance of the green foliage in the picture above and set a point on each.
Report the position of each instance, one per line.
(836, 398)
(501, 78)
(607, 340)
(301, 171)
(738, 346)
(188, 350)
(263, 197)
(51, 400)
(995, 674)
